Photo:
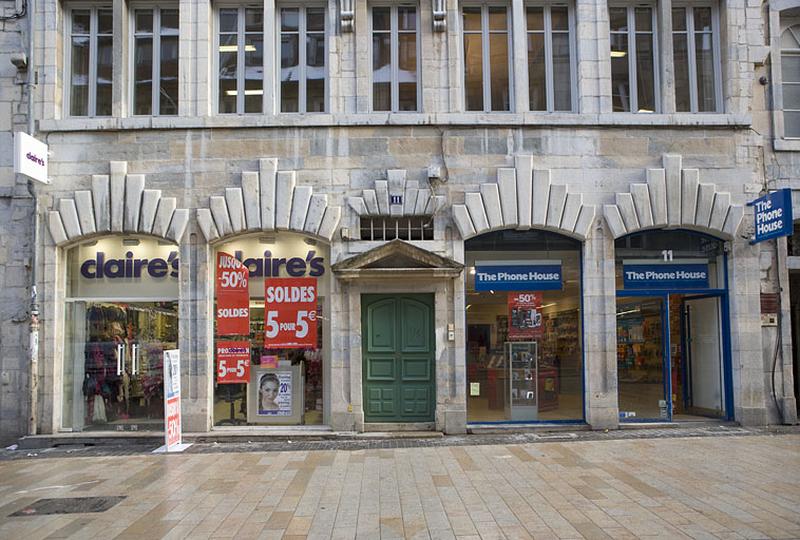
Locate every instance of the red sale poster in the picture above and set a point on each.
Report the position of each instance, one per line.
(233, 297)
(233, 362)
(525, 315)
(290, 313)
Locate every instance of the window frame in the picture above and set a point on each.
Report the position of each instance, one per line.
(394, 56)
(301, 41)
(485, 32)
(155, 102)
(692, 54)
(240, 39)
(548, 54)
(795, 52)
(633, 83)
(91, 105)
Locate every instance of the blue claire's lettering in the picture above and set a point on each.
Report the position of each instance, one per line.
(268, 266)
(773, 215)
(665, 276)
(130, 266)
(523, 277)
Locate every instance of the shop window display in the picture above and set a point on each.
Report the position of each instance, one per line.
(285, 385)
(524, 342)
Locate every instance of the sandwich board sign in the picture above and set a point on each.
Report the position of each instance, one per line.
(172, 403)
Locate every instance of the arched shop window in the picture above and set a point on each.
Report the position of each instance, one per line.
(672, 328)
(284, 385)
(121, 313)
(524, 327)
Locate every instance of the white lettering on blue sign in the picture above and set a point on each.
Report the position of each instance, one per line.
(773, 215)
(518, 276)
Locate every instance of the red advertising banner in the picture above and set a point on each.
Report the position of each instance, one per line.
(525, 315)
(233, 362)
(233, 297)
(290, 313)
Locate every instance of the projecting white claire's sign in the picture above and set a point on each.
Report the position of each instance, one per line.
(30, 157)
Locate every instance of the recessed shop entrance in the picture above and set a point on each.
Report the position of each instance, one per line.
(398, 350)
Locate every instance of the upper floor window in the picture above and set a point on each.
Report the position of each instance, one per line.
(89, 57)
(790, 71)
(634, 76)
(303, 59)
(487, 81)
(155, 61)
(394, 58)
(240, 45)
(696, 59)
(549, 58)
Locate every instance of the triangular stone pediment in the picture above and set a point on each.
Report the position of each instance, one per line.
(396, 259)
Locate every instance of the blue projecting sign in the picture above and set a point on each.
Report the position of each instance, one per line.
(660, 276)
(773, 215)
(518, 276)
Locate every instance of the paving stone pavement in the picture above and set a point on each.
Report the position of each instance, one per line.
(723, 486)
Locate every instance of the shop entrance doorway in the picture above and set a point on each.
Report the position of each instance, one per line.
(398, 348)
(670, 357)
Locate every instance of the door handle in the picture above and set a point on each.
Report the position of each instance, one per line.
(135, 357)
(120, 356)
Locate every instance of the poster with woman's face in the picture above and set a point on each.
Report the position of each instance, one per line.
(275, 393)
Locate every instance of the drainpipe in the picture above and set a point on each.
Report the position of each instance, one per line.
(33, 345)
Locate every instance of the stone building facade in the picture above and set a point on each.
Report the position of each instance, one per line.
(588, 180)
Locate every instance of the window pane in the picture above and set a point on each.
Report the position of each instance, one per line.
(681, 59)
(228, 20)
(704, 54)
(315, 72)
(678, 19)
(562, 86)
(790, 68)
(702, 19)
(80, 21)
(168, 94)
(381, 72)
(559, 18)
(498, 20)
(620, 82)
(79, 77)
(535, 19)
(407, 72)
(381, 19)
(290, 20)
(791, 96)
(645, 76)
(253, 20)
(619, 19)
(253, 73)
(791, 123)
(473, 72)
(644, 19)
(104, 75)
(227, 74)
(315, 20)
(290, 73)
(498, 62)
(472, 18)
(536, 73)
(144, 21)
(105, 21)
(169, 21)
(407, 18)
(143, 76)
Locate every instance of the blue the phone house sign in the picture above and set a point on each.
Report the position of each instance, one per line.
(773, 215)
(518, 276)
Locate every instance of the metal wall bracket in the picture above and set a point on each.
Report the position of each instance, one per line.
(346, 15)
(439, 15)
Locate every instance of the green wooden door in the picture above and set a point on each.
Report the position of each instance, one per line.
(398, 348)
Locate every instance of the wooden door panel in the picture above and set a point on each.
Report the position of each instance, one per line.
(381, 400)
(415, 369)
(381, 332)
(415, 321)
(381, 368)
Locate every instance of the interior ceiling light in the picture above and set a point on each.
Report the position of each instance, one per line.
(618, 54)
(235, 48)
(246, 92)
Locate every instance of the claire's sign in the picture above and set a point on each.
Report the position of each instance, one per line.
(290, 313)
(665, 275)
(773, 215)
(30, 157)
(233, 297)
(518, 276)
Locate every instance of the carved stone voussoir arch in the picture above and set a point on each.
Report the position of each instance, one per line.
(117, 203)
(269, 200)
(523, 198)
(383, 199)
(674, 197)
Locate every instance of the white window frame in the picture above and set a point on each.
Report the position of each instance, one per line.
(794, 28)
(633, 97)
(548, 53)
(692, 54)
(91, 107)
(301, 41)
(394, 58)
(240, 38)
(486, 68)
(155, 102)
